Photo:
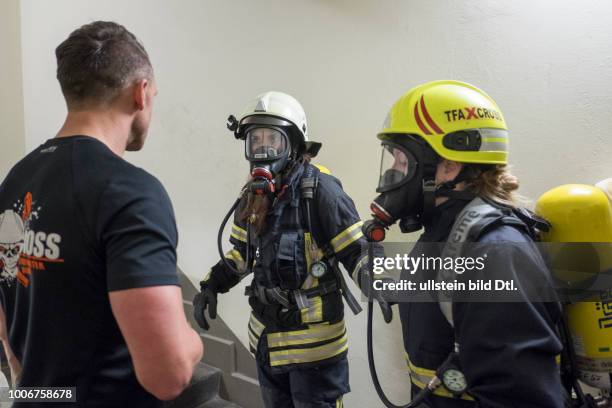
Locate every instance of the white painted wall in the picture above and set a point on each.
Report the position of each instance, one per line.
(12, 137)
(547, 64)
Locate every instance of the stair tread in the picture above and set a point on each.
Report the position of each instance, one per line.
(218, 402)
(203, 371)
(204, 386)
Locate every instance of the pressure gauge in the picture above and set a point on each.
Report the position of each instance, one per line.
(318, 269)
(454, 381)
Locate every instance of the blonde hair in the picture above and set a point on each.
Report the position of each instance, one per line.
(496, 183)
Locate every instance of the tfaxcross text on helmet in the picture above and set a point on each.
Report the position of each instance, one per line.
(472, 113)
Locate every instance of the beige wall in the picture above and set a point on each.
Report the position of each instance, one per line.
(12, 137)
(547, 63)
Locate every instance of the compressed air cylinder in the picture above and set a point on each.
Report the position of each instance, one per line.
(581, 219)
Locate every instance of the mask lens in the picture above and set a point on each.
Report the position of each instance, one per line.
(265, 144)
(396, 166)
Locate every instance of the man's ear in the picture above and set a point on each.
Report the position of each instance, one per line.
(140, 93)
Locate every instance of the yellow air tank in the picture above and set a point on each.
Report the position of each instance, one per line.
(578, 214)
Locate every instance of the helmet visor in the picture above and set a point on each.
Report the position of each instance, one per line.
(265, 144)
(397, 165)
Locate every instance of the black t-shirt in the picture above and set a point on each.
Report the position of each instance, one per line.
(77, 222)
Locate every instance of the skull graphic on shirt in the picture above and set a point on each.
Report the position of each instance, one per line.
(12, 230)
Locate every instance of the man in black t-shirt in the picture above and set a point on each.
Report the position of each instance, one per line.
(88, 241)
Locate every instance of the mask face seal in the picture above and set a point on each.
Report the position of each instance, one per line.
(397, 166)
(407, 169)
(400, 183)
(268, 150)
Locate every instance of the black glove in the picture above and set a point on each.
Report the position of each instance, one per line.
(385, 308)
(206, 299)
(220, 281)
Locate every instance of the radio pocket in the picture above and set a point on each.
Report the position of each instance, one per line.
(291, 260)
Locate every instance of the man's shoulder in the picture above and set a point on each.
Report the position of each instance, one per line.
(133, 181)
(97, 165)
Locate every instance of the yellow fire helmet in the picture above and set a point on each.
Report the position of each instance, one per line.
(459, 121)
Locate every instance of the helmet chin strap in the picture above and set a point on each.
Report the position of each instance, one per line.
(447, 189)
(431, 191)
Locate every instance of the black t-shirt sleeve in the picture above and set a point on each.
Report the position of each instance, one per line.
(138, 233)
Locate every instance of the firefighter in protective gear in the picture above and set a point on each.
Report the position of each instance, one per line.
(444, 152)
(293, 225)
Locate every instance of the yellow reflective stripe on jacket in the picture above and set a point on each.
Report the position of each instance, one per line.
(322, 169)
(339, 403)
(256, 325)
(314, 334)
(307, 244)
(310, 282)
(314, 312)
(235, 256)
(363, 261)
(239, 233)
(255, 330)
(347, 237)
(309, 355)
(253, 341)
(422, 376)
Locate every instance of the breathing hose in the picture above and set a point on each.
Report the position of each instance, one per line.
(220, 236)
(420, 397)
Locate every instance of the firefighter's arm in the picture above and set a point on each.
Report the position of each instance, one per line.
(221, 277)
(341, 228)
(508, 350)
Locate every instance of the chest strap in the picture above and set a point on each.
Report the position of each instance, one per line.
(308, 185)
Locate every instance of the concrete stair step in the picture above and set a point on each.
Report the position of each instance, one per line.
(224, 351)
(218, 402)
(204, 386)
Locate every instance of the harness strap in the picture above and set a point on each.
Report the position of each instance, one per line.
(289, 298)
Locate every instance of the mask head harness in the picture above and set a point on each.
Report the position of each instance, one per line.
(407, 188)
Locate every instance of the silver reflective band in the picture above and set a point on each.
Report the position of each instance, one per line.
(314, 334)
(308, 355)
(493, 140)
(347, 237)
(238, 233)
(355, 275)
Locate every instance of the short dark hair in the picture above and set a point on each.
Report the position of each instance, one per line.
(97, 60)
